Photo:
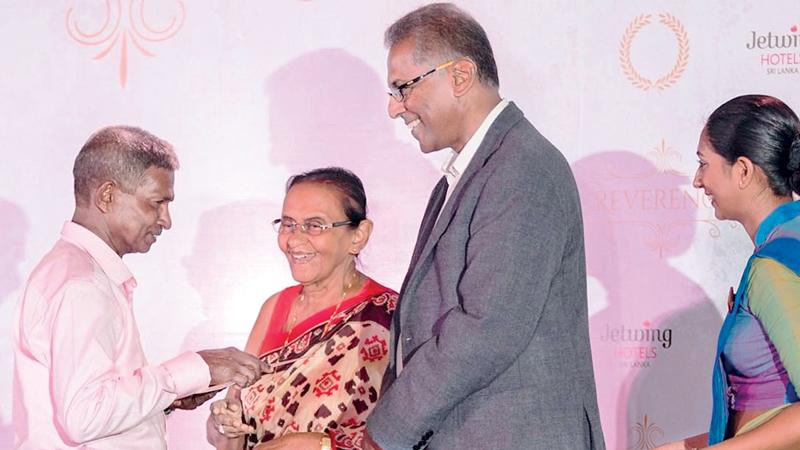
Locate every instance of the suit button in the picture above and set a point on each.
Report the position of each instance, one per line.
(407, 338)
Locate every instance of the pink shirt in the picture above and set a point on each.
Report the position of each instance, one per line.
(81, 379)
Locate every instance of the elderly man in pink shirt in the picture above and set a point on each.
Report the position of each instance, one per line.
(81, 379)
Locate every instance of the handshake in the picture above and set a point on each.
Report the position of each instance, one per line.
(227, 366)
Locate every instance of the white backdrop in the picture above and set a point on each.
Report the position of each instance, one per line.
(251, 92)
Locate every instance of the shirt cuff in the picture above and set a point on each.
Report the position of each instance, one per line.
(187, 373)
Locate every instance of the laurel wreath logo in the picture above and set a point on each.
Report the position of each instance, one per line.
(681, 61)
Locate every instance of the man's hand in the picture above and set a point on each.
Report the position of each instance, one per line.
(232, 365)
(193, 401)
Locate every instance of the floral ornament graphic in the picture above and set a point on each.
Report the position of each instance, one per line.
(646, 434)
(123, 25)
(666, 81)
(663, 156)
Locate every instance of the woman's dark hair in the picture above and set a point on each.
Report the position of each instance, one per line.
(353, 198)
(764, 130)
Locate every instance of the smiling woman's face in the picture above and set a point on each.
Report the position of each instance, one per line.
(715, 177)
(316, 259)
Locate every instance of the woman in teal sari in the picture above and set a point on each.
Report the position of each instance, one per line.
(749, 165)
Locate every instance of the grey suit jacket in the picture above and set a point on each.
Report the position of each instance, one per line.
(493, 317)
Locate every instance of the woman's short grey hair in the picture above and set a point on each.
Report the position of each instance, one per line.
(121, 154)
(442, 30)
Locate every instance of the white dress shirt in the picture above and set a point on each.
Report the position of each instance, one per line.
(81, 379)
(457, 163)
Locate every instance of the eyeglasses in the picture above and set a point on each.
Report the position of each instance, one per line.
(283, 226)
(399, 92)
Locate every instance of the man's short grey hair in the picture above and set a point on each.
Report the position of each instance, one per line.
(121, 154)
(444, 31)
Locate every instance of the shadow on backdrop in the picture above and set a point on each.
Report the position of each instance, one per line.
(233, 259)
(234, 266)
(326, 108)
(14, 227)
(653, 343)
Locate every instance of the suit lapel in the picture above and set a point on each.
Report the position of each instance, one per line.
(491, 142)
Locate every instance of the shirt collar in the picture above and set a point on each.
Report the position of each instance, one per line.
(108, 260)
(457, 163)
(779, 215)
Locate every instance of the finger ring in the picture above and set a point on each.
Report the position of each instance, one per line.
(220, 429)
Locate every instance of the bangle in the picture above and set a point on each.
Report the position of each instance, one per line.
(325, 443)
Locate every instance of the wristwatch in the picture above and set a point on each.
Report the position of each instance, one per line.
(325, 443)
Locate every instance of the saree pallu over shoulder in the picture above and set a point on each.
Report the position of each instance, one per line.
(777, 238)
(326, 379)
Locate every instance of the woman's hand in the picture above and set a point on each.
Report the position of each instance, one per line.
(226, 418)
(298, 441)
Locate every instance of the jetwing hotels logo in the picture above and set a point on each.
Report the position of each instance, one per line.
(637, 346)
(682, 59)
(778, 52)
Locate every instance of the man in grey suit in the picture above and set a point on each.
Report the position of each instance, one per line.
(490, 341)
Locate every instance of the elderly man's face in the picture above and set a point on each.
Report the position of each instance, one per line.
(137, 219)
(428, 106)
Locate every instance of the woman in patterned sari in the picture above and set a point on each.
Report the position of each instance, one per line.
(325, 340)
